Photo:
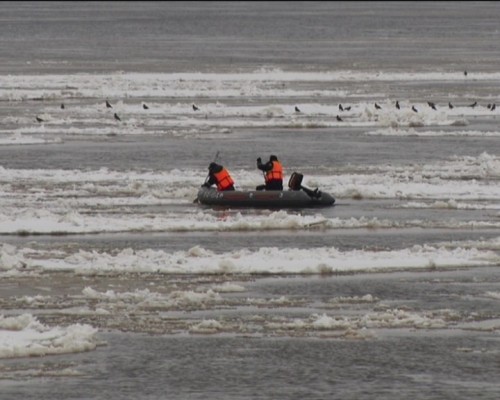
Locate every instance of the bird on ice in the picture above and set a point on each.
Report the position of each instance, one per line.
(195, 108)
(39, 119)
(117, 117)
(297, 109)
(108, 105)
(339, 119)
(432, 105)
(414, 109)
(145, 107)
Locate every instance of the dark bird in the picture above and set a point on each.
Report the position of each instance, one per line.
(145, 107)
(465, 73)
(339, 119)
(62, 106)
(473, 104)
(195, 108)
(39, 119)
(297, 109)
(347, 108)
(488, 106)
(108, 105)
(117, 117)
(397, 105)
(431, 105)
(450, 105)
(377, 106)
(493, 107)
(341, 108)
(414, 109)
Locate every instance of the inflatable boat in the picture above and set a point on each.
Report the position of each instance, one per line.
(296, 197)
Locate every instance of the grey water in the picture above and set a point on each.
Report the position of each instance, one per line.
(189, 36)
(60, 37)
(298, 150)
(433, 364)
(145, 367)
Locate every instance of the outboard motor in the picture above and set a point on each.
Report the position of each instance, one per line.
(295, 181)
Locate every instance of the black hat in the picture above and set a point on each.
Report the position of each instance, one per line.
(273, 158)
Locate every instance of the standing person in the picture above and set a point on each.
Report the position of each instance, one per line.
(218, 175)
(273, 174)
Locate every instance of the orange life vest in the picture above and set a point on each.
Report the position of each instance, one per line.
(224, 180)
(276, 173)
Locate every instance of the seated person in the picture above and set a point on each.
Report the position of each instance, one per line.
(273, 174)
(218, 175)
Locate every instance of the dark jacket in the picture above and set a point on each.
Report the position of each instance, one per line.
(272, 185)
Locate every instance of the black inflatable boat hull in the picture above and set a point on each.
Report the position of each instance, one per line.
(265, 199)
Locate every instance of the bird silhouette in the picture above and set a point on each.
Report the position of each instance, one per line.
(347, 108)
(473, 104)
(465, 73)
(450, 105)
(377, 106)
(108, 105)
(339, 119)
(341, 108)
(39, 119)
(488, 106)
(117, 117)
(145, 107)
(414, 109)
(431, 105)
(397, 105)
(62, 106)
(297, 109)
(195, 108)
(493, 107)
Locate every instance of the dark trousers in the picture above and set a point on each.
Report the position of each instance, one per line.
(272, 185)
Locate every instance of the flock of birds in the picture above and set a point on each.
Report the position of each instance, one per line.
(115, 115)
(431, 104)
(108, 105)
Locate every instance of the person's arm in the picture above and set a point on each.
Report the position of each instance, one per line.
(264, 167)
(211, 181)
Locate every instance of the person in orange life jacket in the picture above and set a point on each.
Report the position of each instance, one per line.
(273, 174)
(218, 175)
